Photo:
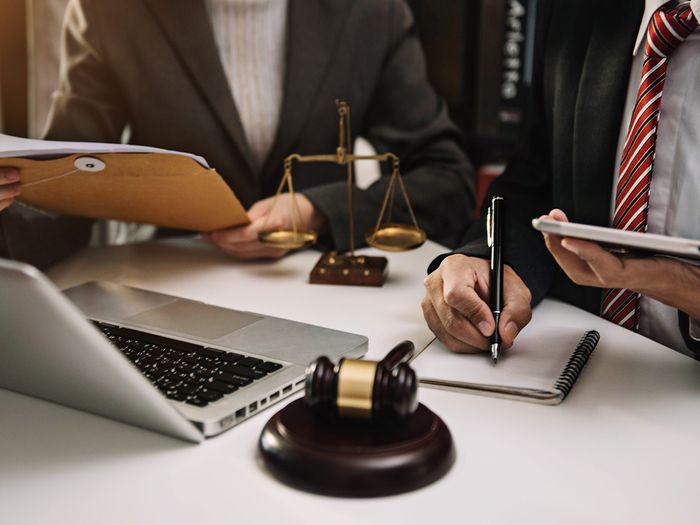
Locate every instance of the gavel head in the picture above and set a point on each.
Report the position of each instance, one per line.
(361, 389)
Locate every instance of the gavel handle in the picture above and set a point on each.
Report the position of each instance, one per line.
(401, 353)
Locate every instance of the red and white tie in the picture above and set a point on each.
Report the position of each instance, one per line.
(668, 28)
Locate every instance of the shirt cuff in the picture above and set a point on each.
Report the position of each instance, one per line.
(695, 6)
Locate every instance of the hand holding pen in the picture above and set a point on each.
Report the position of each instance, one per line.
(457, 308)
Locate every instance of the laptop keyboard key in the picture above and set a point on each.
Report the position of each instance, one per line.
(234, 380)
(243, 371)
(147, 361)
(209, 352)
(197, 402)
(209, 395)
(177, 377)
(189, 359)
(249, 362)
(225, 388)
(188, 389)
(230, 357)
(268, 366)
(177, 397)
(208, 364)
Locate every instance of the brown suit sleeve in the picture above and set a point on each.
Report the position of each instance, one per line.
(38, 238)
(86, 107)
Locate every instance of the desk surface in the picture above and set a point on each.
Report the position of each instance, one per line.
(619, 450)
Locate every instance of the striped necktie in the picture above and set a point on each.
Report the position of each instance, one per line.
(668, 28)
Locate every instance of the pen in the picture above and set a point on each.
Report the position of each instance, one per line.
(494, 235)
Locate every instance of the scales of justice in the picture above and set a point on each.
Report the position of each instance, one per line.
(348, 268)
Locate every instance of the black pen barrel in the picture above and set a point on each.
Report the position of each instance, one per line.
(496, 274)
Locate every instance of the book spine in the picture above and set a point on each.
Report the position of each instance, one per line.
(576, 363)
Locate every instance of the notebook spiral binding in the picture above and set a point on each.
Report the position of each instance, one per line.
(576, 362)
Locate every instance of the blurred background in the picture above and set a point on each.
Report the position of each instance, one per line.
(479, 55)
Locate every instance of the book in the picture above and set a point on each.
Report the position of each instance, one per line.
(543, 365)
(122, 182)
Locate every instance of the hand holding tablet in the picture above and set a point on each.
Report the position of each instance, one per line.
(583, 253)
(621, 240)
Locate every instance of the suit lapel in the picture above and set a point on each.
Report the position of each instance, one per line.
(187, 27)
(600, 105)
(313, 30)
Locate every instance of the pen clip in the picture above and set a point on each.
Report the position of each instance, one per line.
(489, 227)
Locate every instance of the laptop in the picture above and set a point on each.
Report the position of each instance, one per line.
(179, 367)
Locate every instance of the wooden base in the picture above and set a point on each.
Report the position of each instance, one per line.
(353, 458)
(359, 270)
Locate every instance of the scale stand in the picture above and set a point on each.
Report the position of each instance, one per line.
(361, 270)
(348, 268)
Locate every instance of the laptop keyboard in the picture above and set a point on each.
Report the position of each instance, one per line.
(187, 372)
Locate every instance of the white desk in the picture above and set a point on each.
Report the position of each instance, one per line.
(621, 449)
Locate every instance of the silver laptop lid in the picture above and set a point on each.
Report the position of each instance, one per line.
(50, 351)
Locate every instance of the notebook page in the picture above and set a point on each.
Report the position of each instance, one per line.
(536, 360)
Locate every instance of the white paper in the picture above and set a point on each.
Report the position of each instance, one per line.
(11, 147)
(538, 357)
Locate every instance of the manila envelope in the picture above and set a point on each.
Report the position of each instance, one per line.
(162, 189)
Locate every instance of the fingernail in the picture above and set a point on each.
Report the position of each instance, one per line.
(512, 330)
(485, 328)
(12, 176)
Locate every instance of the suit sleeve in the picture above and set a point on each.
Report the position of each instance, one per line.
(526, 186)
(85, 107)
(407, 117)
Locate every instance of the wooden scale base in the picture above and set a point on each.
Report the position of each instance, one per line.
(358, 270)
(352, 458)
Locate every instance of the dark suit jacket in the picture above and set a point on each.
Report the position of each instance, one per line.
(584, 60)
(152, 66)
(568, 160)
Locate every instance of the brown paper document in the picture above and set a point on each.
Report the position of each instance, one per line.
(164, 189)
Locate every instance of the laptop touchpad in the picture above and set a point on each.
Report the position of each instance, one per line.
(192, 319)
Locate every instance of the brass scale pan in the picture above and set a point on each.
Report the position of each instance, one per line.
(388, 237)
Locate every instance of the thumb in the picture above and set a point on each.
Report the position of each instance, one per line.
(258, 210)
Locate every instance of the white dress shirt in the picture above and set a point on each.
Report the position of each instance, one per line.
(251, 38)
(674, 198)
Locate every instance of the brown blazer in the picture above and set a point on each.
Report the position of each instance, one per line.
(151, 67)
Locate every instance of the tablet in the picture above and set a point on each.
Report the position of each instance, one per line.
(622, 240)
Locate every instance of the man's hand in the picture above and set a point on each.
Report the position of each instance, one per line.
(456, 310)
(243, 243)
(667, 280)
(10, 186)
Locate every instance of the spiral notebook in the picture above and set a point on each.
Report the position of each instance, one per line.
(543, 366)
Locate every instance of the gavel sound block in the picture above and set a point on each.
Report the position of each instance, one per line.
(400, 446)
(355, 459)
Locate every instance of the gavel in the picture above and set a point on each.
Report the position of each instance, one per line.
(362, 389)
